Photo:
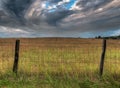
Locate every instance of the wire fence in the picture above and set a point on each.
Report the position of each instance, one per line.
(60, 56)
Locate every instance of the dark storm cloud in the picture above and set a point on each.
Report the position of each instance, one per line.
(55, 17)
(12, 13)
(16, 7)
(92, 4)
(50, 17)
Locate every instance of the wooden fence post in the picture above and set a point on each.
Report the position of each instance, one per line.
(16, 58)
(102, 57)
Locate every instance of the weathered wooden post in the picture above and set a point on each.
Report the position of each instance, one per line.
(102, 57)
(16, 58)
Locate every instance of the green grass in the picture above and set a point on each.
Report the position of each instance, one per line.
(60, 65)
(50, 81)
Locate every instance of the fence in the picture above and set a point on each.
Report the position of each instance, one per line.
(60, 56)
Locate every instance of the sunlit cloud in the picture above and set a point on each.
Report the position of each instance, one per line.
(61, 18)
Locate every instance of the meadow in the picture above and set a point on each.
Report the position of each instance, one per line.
(59, 63)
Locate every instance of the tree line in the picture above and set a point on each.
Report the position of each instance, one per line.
(108, 37)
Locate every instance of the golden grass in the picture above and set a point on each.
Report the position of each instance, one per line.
(60, 56)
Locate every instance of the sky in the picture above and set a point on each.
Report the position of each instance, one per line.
(59, 18)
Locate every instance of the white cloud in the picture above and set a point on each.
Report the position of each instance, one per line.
(11, 30)
(75, 6)
(34, 10)
(43, 5)
(91, 17)
(63, 2)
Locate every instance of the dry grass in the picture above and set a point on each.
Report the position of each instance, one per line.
(59, 63)
(60, 56)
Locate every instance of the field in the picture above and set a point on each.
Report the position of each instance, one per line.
(59, 63)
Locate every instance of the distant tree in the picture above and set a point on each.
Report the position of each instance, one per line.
(98, 37)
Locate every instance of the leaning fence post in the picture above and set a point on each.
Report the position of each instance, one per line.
(16, 58)
(102, 57)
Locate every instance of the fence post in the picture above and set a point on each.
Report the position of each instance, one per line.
(16, 58)
(102, 57)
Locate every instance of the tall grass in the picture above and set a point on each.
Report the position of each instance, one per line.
(66, 63)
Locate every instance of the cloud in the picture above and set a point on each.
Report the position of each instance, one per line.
(67, 18)
(16, 7)
(104, 18)
(55, 17)
(91, 4)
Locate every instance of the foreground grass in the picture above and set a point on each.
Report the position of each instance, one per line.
(60, 64)
(50, 81)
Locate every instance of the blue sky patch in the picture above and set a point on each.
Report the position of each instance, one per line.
(70, 4)
(65, 5)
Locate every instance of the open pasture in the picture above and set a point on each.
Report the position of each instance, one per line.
(60, 57)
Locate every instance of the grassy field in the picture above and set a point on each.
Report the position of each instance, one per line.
(59, 63)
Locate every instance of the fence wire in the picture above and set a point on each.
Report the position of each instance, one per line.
(6, 55)
(112, 59)
(60, 56)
